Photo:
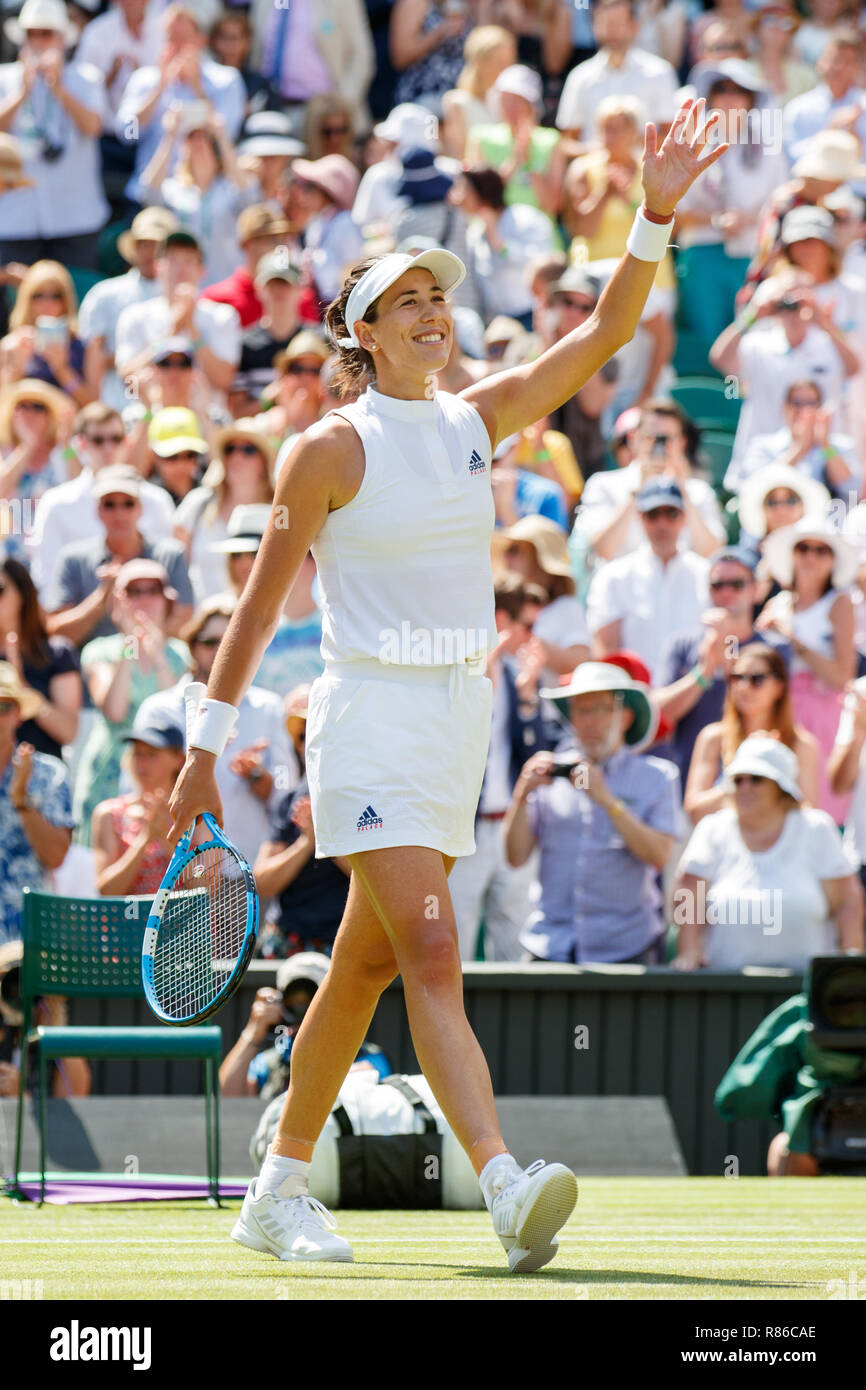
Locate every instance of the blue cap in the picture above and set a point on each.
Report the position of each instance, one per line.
(739, 554)
(660, 492)
(158, 730)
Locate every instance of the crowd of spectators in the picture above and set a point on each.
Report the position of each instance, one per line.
(680, 579)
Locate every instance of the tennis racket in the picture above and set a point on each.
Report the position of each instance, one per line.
(203, 922)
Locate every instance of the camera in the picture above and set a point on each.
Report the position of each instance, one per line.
(564, 766)
(787, 306)
(660, 445)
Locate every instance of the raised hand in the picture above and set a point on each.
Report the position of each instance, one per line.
(684, 155)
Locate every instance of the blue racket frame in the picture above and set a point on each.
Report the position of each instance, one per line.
(181, 857)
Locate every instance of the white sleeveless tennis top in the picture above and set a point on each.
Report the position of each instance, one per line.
(404, 568)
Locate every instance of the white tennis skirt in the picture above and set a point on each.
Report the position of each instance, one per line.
(396, 755)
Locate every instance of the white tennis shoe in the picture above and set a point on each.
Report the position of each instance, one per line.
(529, 1211)
(292, 1226)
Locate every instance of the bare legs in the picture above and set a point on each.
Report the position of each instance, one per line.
(398, 918)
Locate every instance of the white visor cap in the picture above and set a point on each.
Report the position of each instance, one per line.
(447, 270)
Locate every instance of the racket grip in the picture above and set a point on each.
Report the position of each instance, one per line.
(193, 695)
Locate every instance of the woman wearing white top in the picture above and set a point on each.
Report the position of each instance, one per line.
(393, 495)
(765, 881)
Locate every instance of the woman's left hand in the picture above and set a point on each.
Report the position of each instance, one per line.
(685, 153)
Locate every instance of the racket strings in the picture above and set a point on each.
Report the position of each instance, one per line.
(202, 931)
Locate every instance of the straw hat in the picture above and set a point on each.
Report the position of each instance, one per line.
(29, 389)
(814, 495)
(29, 701)
(11, 172)
(545, 536)
(779, 551)
(246, 428)
(833, 156)
(151, 224)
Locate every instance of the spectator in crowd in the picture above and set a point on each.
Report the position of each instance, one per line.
(231, 40)
(643, 364)
(183, 73)
(68, 513)
(543, 32)
(820, 26)
(81, 603)
(325, 190)
(802, 342)
(376, 202)
(814, 565)
(311, 892)
(119, 42)
(277, 283)
(293, 655)
(573, 297)
(757, 701)
(835, 100)
(804, 444)
(129, 831)
(259, 764)
(35, 813)
(136, 659)
(619, 68)
(608, 514)
(846, 770)
(602, 187)
(776, 496)
(100, 308)
(57, 110)
(179, 452)
(250, 1071)
(717, 226)
(45, 666)
(43, 342)
(245, 529)
(267, 150)
(241, 472)
(296, 391)
(535, 548)
(782, 73)
(208, 186)
(526, 154)
(488, 50)
(608, 818)
(502, 242)
(519, 492)
(329, 127)
(722, 30)
(549, 454)
(640, 600)
(483, 885)
(765, 880)
(260, 232)
(696, 664)
(34, 421)
(430, 212)
(312, 49)
(426, 43)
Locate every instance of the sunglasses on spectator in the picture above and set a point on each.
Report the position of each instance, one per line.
(717, 584)
(753, 678)
(144, 590)
(48, 294)
(246, 449)
(804, 402)
(179, 363)
(791, 500)
(298, 369)
(806, 548)
(7, 706)
(208, 641)
(125, 506)
(100, 440)
(342, 129)
(748, 778)
(583, 306)
(663, 514)
(38, 406)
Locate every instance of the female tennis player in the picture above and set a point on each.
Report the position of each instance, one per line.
(393, 495)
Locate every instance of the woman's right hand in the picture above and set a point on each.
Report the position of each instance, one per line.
(195, 792)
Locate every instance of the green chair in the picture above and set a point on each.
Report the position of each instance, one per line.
(91, 948)
(707, 401)
(715, 451)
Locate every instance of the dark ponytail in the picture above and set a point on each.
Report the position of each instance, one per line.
(355, 368)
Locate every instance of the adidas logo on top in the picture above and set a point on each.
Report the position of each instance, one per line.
(476, 463)
(369, 820)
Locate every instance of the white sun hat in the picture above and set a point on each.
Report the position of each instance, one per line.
(779, 550)
(596, 677)
(447, 270)
(815, 497)
(760, 756)
(40, 14)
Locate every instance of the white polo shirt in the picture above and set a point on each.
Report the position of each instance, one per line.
(149, 323)
(769, 365)
(652, 80)
(652, 601)
(606, 491)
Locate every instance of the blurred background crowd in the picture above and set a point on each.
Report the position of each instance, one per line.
(680, 552)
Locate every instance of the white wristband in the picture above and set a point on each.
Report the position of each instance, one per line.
(213, 724)
(648, 241)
